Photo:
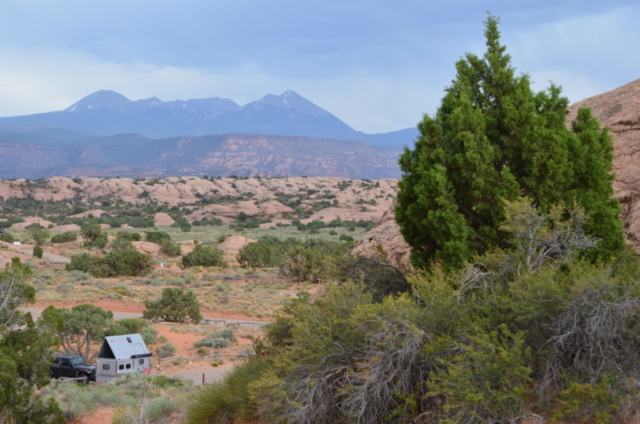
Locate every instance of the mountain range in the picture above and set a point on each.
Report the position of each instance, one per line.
(107, 113)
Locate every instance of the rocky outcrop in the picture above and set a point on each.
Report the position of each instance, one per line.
(162, 219)
(385, 235)
(620, 110)
(223, 198)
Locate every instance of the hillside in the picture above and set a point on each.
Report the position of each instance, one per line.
(219, 155)
(318, 198)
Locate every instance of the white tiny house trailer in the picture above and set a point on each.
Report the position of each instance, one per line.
(120, 355)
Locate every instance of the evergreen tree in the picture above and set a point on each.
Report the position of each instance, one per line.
(494, 139)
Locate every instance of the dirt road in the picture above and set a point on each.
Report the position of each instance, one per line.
(35, 312)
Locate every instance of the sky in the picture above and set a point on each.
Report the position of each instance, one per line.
(377, 65)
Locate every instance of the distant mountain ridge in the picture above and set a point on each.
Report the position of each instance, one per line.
(133, 155)
(106, 113)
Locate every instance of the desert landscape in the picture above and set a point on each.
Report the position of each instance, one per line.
(228, 213)
(327, 213)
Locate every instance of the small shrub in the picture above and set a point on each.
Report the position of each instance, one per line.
(149, 335)
(65, 237)
(159, 408)
(170, 248)
(217, 343)
(229, 401)
(225, 333)
(65, 288)
(204, 256)
(166, 350)
(157, 237)
(8, 238)
(37, 251)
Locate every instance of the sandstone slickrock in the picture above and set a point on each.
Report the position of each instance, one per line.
(162, 219)
(349, 199)
(620, 110)
(385, 234)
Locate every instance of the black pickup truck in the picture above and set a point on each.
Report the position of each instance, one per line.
(72, 366)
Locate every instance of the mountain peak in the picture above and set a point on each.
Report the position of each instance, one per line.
(103, 99)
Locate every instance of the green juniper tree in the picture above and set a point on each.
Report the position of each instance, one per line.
(494, 139)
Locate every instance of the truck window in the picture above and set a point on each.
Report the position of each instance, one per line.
(106, 367)
(121, 367)
(77, 361)
(128, 366)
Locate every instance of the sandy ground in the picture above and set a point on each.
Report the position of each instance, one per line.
(101, 415)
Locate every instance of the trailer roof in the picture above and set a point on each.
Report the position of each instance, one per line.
(123, 347)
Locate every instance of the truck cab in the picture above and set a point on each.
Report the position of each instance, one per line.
(71, 366)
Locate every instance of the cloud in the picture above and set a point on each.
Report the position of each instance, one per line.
(587, 55)
(44, 80)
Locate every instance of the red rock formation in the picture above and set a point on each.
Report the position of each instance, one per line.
(620, 110)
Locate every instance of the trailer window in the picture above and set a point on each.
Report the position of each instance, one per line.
(128, 366)
(141, 361)
(106, 367)
(121, 367)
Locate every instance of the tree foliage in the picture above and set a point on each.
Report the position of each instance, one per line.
(204, 256)
(25, 354)
(175, 305)
(39, 235)
(84, 326)
(532, 324)
(494, 139)
(117, 263)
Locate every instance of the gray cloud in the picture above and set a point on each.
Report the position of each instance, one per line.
(378, 65)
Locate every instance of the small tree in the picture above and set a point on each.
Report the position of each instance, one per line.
(204, 256)
(157, 237)
(175, 305)
(91, 232)
(494, 139)
(84, 326)
(37, 251)
(39, 235)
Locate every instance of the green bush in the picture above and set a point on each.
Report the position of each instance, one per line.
(121, 244)
(90, 233)
(225, 333)
(129, 263)
(175, 305)
(149, 335)
(37, 251)
(229, 401)
(159, 408)
(217, 343)
(39, 235)
(315, 260)
(94, 265)
(170, 248)
(218, 339)
(65, 237)
(157, 237)
(166, 350)
(204, 256)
